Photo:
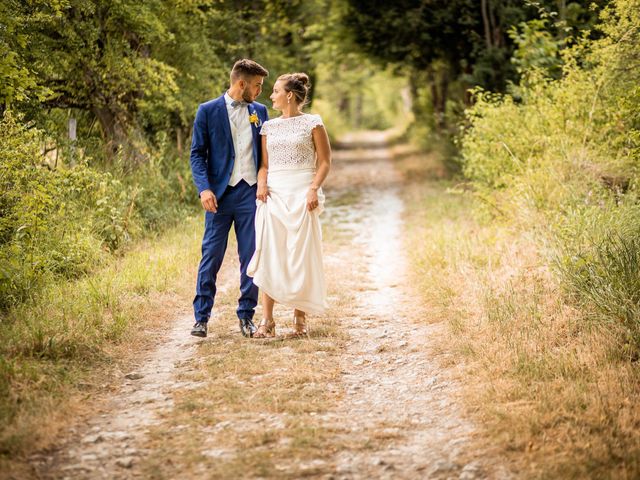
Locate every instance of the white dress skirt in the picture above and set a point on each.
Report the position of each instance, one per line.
(287, 264)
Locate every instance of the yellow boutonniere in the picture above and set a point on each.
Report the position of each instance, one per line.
(253, 118)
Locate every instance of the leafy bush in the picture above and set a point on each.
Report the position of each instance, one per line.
(61, 222)
(561, 158)
(161, 190)
(41, 232)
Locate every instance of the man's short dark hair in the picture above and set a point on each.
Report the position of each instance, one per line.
(246, 68)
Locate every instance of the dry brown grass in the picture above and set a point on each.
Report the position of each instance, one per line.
(554, 396)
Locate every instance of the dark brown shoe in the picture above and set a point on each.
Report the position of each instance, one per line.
(247, 328)
(199, 329)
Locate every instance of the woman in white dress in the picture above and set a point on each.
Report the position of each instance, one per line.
(296, 158)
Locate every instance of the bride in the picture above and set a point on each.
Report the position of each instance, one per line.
(296, 158)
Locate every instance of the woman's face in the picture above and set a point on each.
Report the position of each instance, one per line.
(279, 96)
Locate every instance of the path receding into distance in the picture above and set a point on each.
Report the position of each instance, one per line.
(392, 384)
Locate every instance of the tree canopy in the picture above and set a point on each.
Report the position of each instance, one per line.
(457, 43)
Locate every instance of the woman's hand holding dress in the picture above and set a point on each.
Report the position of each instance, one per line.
(312, 198)
(263, 191)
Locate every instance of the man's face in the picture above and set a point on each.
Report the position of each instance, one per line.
(252, 88)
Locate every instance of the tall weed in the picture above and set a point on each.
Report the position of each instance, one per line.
(601, 265)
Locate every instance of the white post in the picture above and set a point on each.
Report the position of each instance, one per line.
(72, 137)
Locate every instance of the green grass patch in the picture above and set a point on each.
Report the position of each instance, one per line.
(72, 332)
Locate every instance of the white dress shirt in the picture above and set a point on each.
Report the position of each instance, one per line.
(244, 167)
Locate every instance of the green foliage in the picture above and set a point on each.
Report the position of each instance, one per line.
(160, 190)
(446, 48)
(92, 55)
(601, 264)
(139, 68)
(564, 160)
(439, 42)
(60, 222)
(41, 227)
(356, 95)
(132, 75)
(536, 48)
(19, 81)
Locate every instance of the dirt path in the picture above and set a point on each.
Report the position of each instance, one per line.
(395, 388)
(394, 403)
(113, 440)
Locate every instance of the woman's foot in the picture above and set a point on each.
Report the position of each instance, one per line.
(299, 327)
(266, 329)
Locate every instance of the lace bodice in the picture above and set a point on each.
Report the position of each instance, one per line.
(289, 142)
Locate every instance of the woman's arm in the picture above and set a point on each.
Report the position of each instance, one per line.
(323, 152)
(262, 191)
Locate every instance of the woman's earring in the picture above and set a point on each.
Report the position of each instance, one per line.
(288, 100)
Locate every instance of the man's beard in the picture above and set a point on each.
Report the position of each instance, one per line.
(246, 96)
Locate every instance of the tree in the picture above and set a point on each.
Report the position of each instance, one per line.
(448, 42)
(134, 64)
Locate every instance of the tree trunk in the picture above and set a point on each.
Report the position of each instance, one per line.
(415, 79)
(179, 141)
(72, 128)
(486, 23)
(343, 105)
(114, 133)
(562, 10)
(439, 82)
(357, 113)
(496, 31)
(443, 81)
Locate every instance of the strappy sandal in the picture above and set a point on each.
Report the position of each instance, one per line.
(299, 328)
(266, 329)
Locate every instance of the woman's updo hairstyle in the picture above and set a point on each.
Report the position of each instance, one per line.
(298, 84)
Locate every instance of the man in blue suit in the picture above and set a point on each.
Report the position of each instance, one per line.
(225, 154)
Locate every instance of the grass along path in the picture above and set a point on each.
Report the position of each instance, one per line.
(365, 396)
(547, 385)
(68, 348)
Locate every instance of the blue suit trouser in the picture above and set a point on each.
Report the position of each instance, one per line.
(237, 206)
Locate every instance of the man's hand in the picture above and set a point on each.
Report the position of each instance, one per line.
(209, 201)
(263, 192)
(312, 199)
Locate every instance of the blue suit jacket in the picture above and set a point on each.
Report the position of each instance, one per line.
(212, 152)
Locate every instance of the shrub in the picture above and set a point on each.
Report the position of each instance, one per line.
(562, 159)
(61, 222)
(42, 232)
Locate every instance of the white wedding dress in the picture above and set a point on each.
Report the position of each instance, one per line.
(287, 263)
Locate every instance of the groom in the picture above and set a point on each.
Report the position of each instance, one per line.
(225, 154)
